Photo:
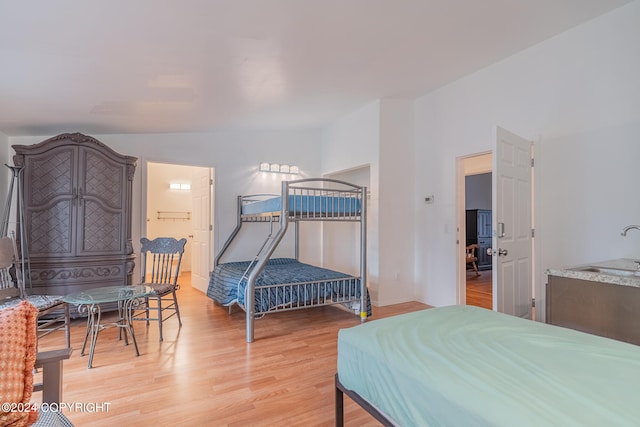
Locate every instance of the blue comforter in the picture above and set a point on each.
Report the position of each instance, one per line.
(226, 288)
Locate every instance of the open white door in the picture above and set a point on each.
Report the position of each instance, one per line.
(512, 252)
(201, 189)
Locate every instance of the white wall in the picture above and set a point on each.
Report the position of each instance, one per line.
(235, 156)
(341, 241)
(396, 202)
(577, 96)
(5, 175)
(381, 135)
(354, 140)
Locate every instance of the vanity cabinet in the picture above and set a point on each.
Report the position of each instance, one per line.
(605, 309)
(478, 224)
(77, 213)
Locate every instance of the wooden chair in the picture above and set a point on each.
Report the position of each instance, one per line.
(19, 357)
(53, 312)
(472, 258)
(161, 259)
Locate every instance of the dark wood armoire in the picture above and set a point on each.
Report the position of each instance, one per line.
(479, 231)
(77, 213)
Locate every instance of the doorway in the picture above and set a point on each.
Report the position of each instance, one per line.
(511, 213)
(475, 216)
(478, 240)
(180, 204)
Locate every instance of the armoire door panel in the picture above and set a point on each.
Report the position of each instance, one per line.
(49, 229)
(102, 179)
(53, 176)
(478, 225)
(100, 230)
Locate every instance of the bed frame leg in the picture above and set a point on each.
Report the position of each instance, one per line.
(339, 404)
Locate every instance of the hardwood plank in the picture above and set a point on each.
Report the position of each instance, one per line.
(479, 289)
(206, 374)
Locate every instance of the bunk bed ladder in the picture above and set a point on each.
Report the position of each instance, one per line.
(266, 244)
(234, 233)
(262, 258)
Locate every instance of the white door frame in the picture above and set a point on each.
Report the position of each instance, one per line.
(538, 291)
(462, 170)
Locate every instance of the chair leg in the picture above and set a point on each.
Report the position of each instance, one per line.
(67, 325)
(146, 309)
(55, 322)
(160, 316)
(175, 302)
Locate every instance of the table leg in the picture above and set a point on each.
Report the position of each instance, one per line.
(122, 315)
(88, 329)
(93, 327)
(127, 297)
(127, 319)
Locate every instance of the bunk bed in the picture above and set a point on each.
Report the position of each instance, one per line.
(264, 284)
(468, 366)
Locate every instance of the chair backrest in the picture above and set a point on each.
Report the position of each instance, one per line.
(10, 277)
(161, 259)
(471, 252)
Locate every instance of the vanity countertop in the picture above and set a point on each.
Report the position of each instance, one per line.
(621, 271)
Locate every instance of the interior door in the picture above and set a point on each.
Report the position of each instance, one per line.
(201, 189)
(512, 251)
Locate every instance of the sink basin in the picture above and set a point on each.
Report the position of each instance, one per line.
(609, 271)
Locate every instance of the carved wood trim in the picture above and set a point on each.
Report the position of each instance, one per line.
(75, 138)
(76, 273)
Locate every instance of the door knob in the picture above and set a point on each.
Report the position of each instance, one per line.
(491, 251)
(502, 252)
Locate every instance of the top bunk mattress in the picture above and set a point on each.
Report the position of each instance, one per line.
(306, 205)
(468, 366)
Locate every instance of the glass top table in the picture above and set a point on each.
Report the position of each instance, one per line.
(108, 294)
(89, 300)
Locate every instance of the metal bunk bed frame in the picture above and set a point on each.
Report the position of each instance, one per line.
(295, 190)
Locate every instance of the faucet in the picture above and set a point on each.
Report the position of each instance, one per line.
(629, 227)
(624, 233)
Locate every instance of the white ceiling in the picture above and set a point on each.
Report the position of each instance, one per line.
(147, 66)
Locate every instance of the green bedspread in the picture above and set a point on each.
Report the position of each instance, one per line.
(468, 366)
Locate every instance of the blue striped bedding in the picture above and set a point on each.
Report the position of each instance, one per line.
(303, 204)
(223, 284)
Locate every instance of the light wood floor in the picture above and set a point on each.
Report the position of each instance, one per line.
(206, 374)
(479, 292)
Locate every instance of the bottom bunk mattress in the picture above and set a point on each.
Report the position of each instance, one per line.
(468, 366)
(285, 283)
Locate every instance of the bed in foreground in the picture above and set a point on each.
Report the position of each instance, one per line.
(468, 366)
